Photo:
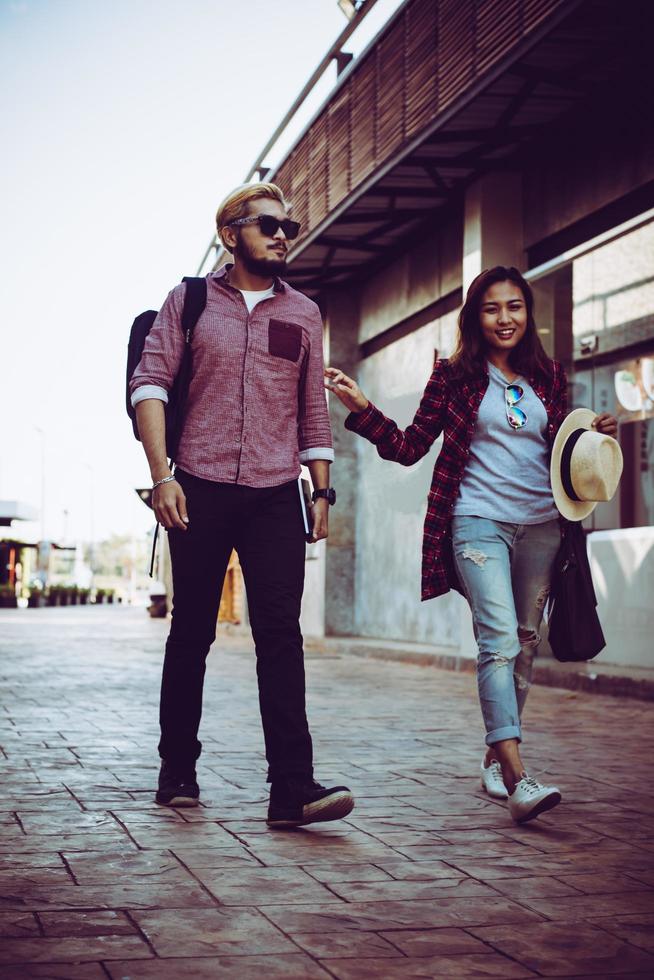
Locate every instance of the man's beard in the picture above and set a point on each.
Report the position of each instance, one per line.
(273, 266)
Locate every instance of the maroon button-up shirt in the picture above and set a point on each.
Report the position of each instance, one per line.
(449, 406)
(256, 406)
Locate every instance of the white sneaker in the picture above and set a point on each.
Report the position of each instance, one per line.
(492, 782)
(530, 798)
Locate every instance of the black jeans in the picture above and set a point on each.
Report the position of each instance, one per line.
(265, 527)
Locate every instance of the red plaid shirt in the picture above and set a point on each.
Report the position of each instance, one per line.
(449, 406)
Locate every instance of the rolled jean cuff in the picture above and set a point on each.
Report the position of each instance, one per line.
(500, 734)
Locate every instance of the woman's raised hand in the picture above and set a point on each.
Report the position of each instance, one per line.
(607, 424)
(346, 389)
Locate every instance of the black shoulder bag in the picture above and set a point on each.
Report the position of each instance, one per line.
(575, 632)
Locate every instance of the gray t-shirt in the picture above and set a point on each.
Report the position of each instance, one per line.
(507, 477)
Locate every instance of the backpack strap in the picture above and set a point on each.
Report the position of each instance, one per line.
(195, 300)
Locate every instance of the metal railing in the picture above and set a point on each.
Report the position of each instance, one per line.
(335, 53)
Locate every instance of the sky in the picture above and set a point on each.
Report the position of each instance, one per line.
(124, 124)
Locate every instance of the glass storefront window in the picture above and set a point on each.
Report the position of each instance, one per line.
(625, 388)
(595, 313)
(613, 292)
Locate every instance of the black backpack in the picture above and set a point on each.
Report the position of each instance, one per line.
(575, 632)
(195, 300)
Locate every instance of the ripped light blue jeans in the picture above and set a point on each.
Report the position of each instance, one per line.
(505, 570)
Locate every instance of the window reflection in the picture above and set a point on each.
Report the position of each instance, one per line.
(626, 389)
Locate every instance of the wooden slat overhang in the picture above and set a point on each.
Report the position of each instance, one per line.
(450, 90)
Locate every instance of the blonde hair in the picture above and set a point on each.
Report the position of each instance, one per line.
(236, 203)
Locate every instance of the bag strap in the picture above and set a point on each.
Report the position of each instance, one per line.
(195, 300)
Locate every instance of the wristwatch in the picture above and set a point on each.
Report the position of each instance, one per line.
(329, 495)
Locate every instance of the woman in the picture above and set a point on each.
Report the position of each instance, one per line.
(492, 530)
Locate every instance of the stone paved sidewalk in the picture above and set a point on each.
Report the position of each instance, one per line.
(428, 877)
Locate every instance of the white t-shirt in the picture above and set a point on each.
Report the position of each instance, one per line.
(254, 296)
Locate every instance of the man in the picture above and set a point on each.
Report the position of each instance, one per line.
(256, 410)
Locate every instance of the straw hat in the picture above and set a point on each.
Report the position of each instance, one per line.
(585, 467)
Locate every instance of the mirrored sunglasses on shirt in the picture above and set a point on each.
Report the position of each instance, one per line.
(515, 416)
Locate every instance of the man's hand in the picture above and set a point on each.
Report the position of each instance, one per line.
(346, 390)
(320, 519)
(169, 505)
(606, 424)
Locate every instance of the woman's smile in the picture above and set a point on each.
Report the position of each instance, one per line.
(503, 316)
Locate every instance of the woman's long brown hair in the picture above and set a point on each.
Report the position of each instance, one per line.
(469, 358)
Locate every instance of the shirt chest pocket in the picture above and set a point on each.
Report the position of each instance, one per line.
(284, 339)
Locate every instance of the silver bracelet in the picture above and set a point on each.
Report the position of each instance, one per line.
(166, 479)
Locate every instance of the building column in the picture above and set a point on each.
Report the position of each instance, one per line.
(341, 308)
(492, 228)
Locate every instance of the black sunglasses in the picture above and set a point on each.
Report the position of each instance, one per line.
(270, 226)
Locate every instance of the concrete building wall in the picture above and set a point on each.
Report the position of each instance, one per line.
(584, 164)
(414, 279)
(392, 502)
(342, 350)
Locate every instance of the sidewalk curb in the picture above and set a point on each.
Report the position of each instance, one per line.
(589, 678)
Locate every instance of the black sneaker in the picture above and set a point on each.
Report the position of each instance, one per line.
(294, 802)
(177, 787)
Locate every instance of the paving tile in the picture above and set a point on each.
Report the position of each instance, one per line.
(90, 868)
(26, 878)
(383, 916)
(604, 883)
(16, 925)
(635, 929)
(405, 870)
(622, 828)
(47, 950)
(536, 887)
(59, 823)
(644, 877)
(562, 863)
(109, 896)
(212, 932)
(447, 852)
(271, 853)
(398, 891)
(214, 857)
(434, 942)
(33, 843)
(407, 838)
(551, 837)
(558, 949)
(263, 886)
(54, 971)
(22, 862)
(351, 944)
(292, 966)
(468, 836)
(468, 965)
(573, 908)
(70, 924)
(179, 834)
(350, 872)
